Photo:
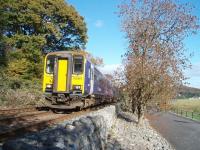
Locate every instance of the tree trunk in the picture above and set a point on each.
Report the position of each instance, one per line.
(140, 109)
(133, 107)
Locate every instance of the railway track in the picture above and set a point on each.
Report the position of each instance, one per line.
(15, 123)
(17, 110)
(20, 116)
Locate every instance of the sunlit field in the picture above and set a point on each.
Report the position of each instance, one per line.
(192, 105)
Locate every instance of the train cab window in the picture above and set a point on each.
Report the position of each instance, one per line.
(92, 73)
(50, 64)
(78, 64)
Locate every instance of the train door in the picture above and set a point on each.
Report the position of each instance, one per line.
(61, 75)
(92, 79)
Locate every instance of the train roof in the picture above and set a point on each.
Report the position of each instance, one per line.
(68, 52)
(78, 52)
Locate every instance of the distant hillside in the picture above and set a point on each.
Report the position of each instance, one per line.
(188, 92)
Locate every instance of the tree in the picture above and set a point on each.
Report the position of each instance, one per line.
(30, 28)
(155, 59)
(55, 21)
(95, 60)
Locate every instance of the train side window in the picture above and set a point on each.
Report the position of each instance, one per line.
(78, 64)
(92, 74)
(50, 64)
(89, 73)
(95, 77)
(95, 74)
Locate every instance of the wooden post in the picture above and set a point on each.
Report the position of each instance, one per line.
(192, 115)
(186, 113)
(181, 112)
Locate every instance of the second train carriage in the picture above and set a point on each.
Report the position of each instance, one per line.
(70, 78)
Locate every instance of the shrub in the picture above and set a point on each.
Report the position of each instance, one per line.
(20, 93)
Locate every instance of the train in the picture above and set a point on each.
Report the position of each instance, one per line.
(72, 81)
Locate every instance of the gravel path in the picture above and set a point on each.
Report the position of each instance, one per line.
(128, 136)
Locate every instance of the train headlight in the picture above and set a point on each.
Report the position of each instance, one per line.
(49, 86)
(76, 87)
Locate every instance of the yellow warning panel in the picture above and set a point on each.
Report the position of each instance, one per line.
(62, 75)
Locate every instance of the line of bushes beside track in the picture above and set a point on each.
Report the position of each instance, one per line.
(19, 93)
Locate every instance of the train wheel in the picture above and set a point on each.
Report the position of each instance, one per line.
(53, 101)
(58, 111)
(79, 108)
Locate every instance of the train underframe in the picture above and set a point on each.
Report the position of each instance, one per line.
(68, 101)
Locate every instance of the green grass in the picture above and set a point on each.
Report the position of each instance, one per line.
(187, 107)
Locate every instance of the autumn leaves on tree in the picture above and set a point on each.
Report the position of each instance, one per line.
(155, 59)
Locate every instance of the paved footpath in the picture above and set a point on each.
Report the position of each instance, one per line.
(182, 133)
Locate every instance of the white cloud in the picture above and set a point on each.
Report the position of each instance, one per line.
(109, 69)
(194, 71)
(99, 23)
(194, 75)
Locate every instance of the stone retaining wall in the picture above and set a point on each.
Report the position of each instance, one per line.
(85, 132)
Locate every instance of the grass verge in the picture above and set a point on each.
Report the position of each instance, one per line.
(187, 107)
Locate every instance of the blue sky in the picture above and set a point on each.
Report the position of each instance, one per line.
(107, 41)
